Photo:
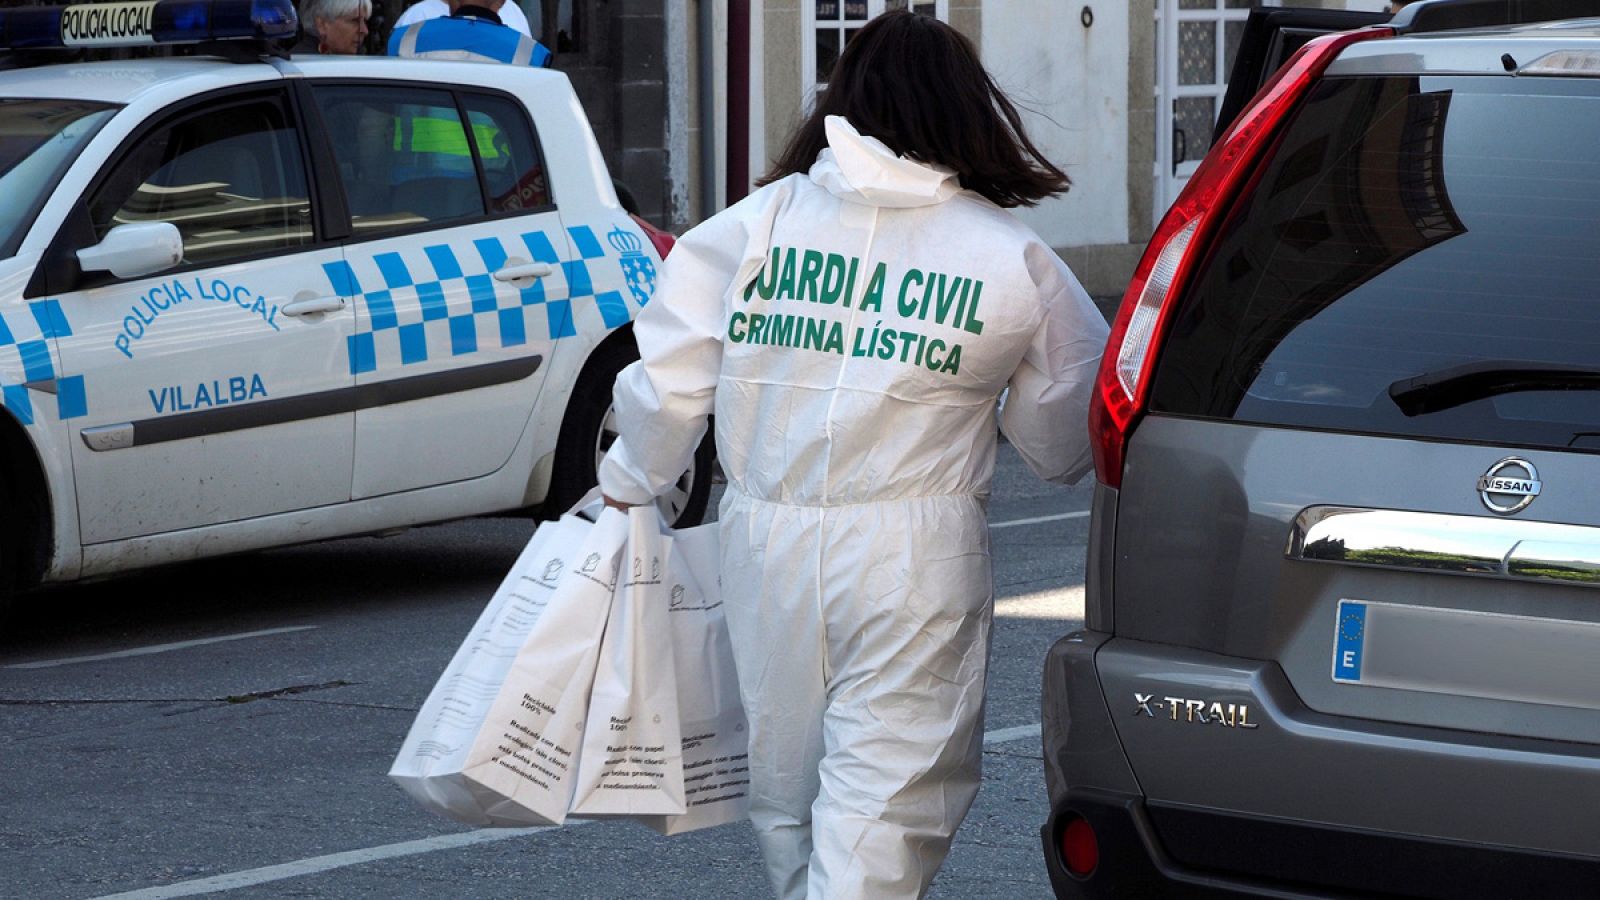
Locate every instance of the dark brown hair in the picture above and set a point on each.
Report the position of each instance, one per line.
(916, 84)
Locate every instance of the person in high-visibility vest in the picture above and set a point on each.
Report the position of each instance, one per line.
(472, 32)
(511, 15)
(443, 136)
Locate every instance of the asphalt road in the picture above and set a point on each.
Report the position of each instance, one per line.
(226, 726)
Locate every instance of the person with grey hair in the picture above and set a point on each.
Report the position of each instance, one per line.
(332, 26)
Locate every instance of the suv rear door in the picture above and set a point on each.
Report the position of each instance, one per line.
(1270, 37)
(1401, 304)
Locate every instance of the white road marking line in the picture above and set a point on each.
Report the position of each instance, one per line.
(1080, 514)
(1065, 604)
(155, 648)
(1007, 735)
(315, 864)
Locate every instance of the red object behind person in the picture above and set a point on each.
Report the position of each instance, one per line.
(662, 240)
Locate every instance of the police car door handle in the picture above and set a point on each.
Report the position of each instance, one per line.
(530, 270)
(311, 306)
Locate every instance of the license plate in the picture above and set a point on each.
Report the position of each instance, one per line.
(1467, 653)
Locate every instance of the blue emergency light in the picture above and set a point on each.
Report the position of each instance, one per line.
(145, 23)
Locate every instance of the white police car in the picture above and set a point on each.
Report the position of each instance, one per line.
(246, 304)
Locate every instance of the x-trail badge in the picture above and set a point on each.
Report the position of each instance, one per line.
(1509, 485)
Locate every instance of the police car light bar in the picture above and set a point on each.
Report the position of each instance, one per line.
(144, 23)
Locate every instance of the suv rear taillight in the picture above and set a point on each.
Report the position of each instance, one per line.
(1181, 241)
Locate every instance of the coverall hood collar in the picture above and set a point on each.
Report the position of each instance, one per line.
(861, 169)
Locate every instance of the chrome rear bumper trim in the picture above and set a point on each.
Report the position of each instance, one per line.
(1437, 542)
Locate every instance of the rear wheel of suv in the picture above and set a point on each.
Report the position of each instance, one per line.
(589, 431)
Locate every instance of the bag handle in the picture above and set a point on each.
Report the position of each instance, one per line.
(592, 504)
(589, 506)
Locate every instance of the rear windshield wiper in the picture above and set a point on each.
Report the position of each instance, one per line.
(1447, 388)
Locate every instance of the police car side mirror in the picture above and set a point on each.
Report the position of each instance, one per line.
(135, 249)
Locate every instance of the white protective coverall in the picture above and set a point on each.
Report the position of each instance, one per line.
(851, 329)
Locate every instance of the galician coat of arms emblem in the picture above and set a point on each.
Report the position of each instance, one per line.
(637, 268)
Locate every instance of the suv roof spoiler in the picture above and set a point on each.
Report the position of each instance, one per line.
(1446, 15)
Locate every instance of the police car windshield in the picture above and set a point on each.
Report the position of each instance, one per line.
(38, 139)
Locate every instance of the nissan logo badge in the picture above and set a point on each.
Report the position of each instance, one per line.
(1509, 485)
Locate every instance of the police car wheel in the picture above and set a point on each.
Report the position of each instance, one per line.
(9, 538)
(588, 432)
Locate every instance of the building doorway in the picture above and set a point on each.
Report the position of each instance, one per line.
(1195, 44)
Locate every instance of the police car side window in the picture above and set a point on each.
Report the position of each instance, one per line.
(231, 179)
(403, 154)
(512, 167)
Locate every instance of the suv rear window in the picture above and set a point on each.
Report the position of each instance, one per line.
(1420, 258)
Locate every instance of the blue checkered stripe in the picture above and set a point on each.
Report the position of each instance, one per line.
(411, 322)
(25, 348)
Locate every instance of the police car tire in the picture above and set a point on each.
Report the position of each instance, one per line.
(574, 472)
(9, 537)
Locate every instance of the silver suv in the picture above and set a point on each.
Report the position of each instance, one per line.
(1343, 619)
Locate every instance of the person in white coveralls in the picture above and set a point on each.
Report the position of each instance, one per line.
(851, 325)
